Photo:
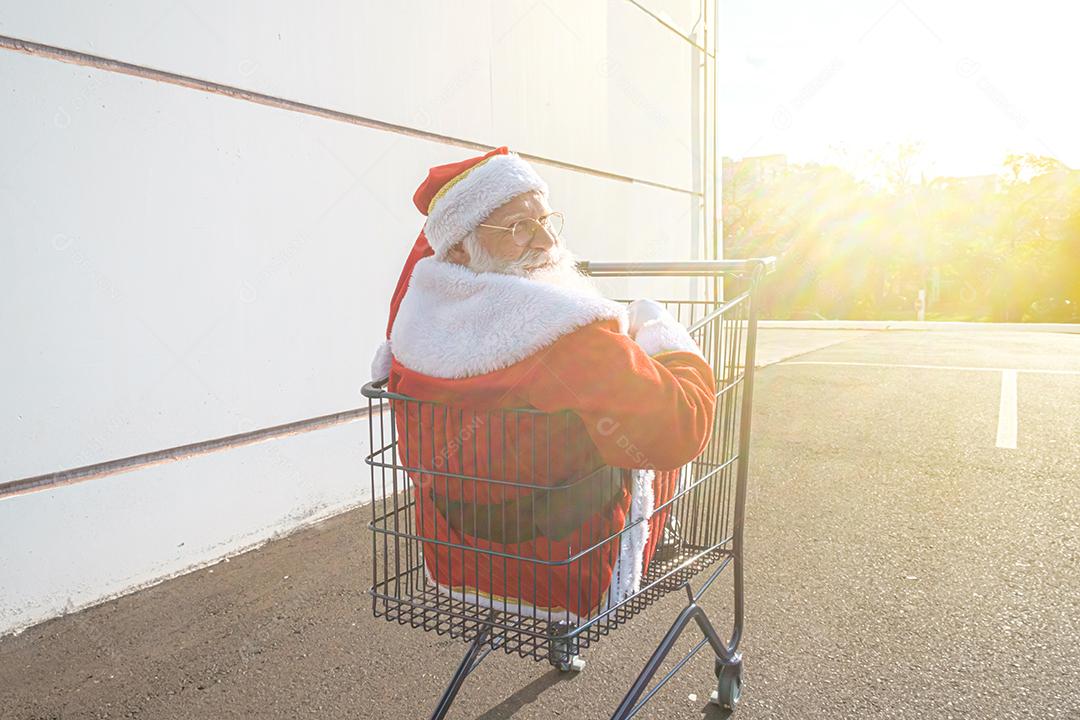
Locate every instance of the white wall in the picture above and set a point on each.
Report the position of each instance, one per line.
(178, 265)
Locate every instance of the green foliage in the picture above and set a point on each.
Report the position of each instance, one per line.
(1001, 248)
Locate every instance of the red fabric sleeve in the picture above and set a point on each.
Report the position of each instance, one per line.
(640, 411)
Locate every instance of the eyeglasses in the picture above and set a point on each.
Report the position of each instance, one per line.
(523, 231)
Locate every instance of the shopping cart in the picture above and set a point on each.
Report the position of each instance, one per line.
(702, 526)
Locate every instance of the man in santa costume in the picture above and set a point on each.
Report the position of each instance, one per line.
(490, 314)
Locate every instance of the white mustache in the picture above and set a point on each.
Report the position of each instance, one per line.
(529, 262)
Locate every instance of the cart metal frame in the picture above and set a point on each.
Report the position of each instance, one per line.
(703, 533)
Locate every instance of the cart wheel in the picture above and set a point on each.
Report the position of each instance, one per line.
(728, 684)
(563, 656)
(575, 664)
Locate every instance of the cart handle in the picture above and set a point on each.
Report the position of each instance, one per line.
(708, 268)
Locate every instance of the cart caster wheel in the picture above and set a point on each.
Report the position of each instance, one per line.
(562, 650)
(575, 664)
(728, 684)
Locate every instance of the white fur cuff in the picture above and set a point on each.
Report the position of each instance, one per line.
(380, 363)
(665, 335)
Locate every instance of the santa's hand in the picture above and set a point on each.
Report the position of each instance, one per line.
(642, 311)
(657, 331)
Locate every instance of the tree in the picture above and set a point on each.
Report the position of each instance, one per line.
(999, 247)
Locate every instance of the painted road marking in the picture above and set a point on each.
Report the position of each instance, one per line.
(1006, 432)
(1007, 416)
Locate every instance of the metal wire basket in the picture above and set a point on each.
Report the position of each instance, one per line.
(537, 459)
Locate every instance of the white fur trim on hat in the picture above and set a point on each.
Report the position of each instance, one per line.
(484, 189)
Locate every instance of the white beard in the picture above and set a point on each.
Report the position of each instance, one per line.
(557, 266)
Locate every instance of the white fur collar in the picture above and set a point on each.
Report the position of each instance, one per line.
(456, 323)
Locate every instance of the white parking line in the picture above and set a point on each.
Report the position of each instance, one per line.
(1007, 417)
(1006, 431)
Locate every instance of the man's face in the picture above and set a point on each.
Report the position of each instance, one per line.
(543, 259)
(502, 252)
(500, 244)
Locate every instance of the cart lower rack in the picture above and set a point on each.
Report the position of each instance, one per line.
(697, 522)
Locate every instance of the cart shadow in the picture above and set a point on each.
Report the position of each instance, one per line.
(526, 695)
(714, 712)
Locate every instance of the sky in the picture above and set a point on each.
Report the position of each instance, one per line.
(839, 80)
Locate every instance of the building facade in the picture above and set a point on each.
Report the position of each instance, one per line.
(205, 207)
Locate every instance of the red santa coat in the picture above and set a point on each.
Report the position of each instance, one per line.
(482, 342)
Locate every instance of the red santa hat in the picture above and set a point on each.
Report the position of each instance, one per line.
(456, 198)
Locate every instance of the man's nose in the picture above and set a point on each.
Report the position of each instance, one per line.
(542, 239)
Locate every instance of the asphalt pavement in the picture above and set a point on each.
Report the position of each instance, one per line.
(903, 561)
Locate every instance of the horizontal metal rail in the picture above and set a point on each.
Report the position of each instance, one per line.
(716, 553)
(180, 452)
(381, 529)
(689, 268)
(75, 57)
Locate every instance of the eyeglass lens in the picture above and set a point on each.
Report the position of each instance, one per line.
(524, 230)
